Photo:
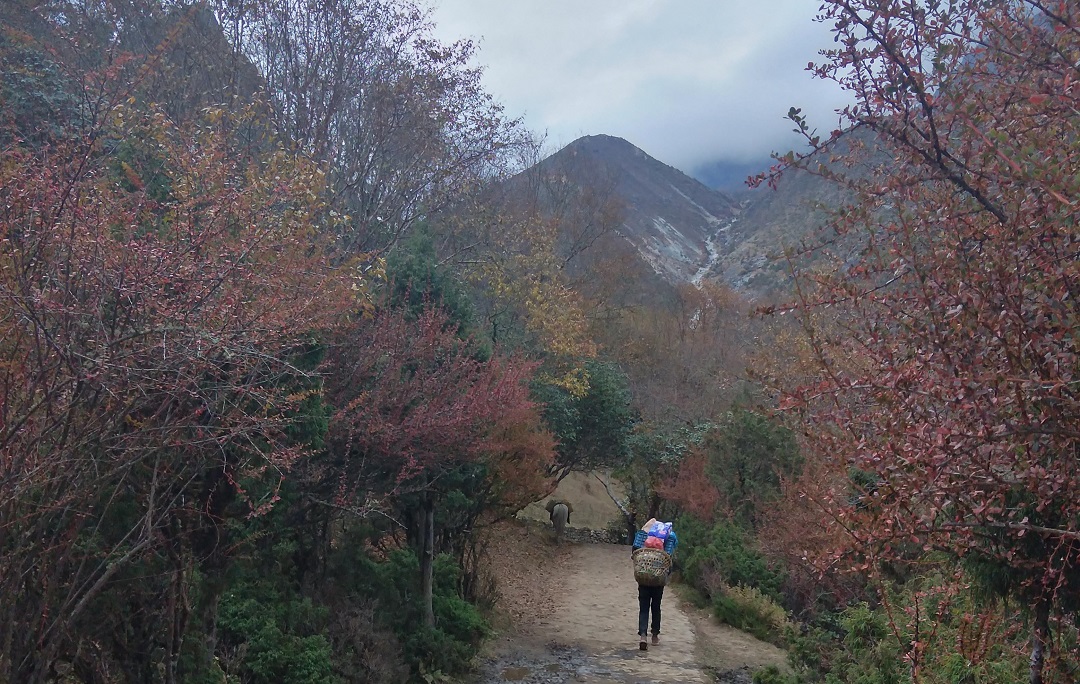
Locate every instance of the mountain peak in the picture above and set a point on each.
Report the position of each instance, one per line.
(609, 146)
(603, 141)
(670, 218)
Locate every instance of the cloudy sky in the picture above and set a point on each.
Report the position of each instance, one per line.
(691, 82)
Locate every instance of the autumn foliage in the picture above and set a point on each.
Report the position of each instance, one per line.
(943, 410)
(691, 489)
(415, 400)
(180, 275)
(226, 432)
(147, 347)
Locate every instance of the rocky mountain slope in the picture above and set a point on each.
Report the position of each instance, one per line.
(686, 231)
(751, 249)
(669, 217)
(790, 217)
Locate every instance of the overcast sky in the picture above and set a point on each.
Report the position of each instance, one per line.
(688, 81)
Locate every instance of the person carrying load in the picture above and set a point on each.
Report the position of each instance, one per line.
(653, 548)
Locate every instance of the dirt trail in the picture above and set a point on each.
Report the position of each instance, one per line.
(571, 616)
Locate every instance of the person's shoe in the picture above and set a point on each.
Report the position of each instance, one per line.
(643, 645)
(655, 639)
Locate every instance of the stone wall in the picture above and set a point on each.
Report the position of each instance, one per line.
(581, 535)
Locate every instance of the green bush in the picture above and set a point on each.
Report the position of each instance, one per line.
(276, 638)
(617, 530)
(963, 639)
(858, 649)
(773, 675)
(748, 455)
(723, 555)
(393, 585)
(748, 609)
(365, 622)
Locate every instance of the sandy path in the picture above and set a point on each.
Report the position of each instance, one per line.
(599, 613)
(572, 617)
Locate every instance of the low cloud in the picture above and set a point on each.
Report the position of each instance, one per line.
(688, 81)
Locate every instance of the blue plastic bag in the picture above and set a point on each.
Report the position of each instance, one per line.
(661, 530)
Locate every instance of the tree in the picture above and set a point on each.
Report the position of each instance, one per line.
(945, 400)
(148, 362)
(418, 281)
(414, 404)
(171, 277)
(684, 356)
(593, 429)
(655, 456)
(400, 119)
(509, 246)
(748, 456)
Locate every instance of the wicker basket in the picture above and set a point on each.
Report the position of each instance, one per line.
(651, 567)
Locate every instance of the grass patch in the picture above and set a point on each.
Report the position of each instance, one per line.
(748, 609)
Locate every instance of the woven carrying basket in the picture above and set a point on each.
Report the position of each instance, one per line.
(651, 567)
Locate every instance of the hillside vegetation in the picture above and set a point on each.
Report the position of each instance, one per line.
(291, 317)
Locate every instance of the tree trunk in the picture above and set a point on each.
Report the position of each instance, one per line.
(628, 515)
(427, 563)
(654, 506)
(177, 611)
(1040, 641)
(208, 544)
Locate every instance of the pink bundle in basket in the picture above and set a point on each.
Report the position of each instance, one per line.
(654, 543)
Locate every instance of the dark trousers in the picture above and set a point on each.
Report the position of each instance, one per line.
(649, 597)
